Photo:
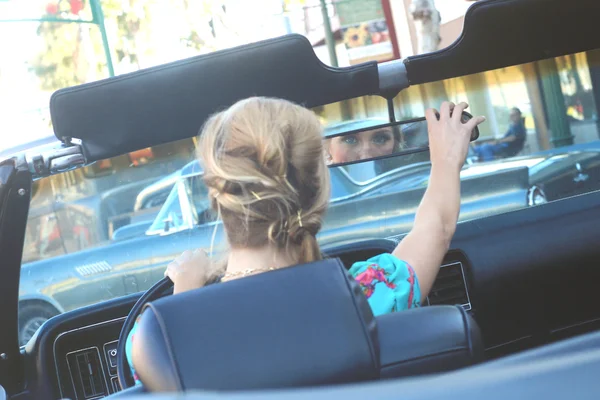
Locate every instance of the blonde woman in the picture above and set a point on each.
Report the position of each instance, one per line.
(269, 183)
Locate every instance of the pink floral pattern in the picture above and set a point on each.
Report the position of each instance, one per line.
(370, 277)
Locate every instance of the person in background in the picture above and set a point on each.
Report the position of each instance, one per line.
(510, 144)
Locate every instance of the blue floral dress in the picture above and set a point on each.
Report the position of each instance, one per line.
(388, 283)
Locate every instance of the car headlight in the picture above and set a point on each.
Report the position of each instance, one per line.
(536, 196)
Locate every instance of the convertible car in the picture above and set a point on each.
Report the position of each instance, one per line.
(524, 277)
(139, 252)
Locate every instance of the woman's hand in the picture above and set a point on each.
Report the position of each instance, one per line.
(448, 137)
(427, 243)
(189, 271)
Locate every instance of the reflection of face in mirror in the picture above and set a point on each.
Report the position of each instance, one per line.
(362, 145)
(356, 142)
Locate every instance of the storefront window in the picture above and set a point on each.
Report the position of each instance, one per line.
(576, 85)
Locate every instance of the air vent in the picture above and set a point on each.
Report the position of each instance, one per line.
(87, 374)
(450, 287)
(93, 268)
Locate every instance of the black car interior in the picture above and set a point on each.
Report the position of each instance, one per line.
(453, 339)
(510, 284)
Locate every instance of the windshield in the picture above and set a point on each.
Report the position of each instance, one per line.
(551, 105)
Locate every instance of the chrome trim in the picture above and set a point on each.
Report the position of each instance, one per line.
(106, 357)
(191, 175)
(581, 176)
(467, 305)
(115, 384)
(72, 331)
(185, 204)
(93, 268)
(575, 325)
(496, 346)
(393, 77)
(65, 156)
(531, 195)
(71, 372)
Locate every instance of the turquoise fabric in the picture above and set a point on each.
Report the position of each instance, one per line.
(388, 283)
(128, 348)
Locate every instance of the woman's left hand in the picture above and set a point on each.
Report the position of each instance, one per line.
(189, 271)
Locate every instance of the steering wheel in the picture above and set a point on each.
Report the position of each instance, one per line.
(155, 292)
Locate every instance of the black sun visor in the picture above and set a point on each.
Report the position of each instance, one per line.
(502, 33)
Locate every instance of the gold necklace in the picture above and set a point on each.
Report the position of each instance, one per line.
(247, 272)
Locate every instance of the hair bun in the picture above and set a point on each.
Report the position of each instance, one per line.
(265, 159)
(300, 225)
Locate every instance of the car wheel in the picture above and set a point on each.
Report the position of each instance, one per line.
(31, 317)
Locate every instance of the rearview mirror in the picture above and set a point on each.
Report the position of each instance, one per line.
(366, 140)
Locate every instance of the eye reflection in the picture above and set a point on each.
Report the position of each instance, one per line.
(351, 140)
(381, 137)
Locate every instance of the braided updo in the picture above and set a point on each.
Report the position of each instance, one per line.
(266, 174)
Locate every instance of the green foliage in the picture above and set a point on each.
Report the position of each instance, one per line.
(64, 60)
(72, 53)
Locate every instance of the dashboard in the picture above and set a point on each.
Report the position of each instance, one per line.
(86, 360)
(73, 355)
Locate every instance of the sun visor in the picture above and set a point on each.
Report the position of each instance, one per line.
(502, 33)
(170, 102)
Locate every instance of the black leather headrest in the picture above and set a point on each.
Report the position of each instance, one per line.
(306, 325)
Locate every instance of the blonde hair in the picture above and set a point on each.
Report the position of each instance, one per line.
(266, 175)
